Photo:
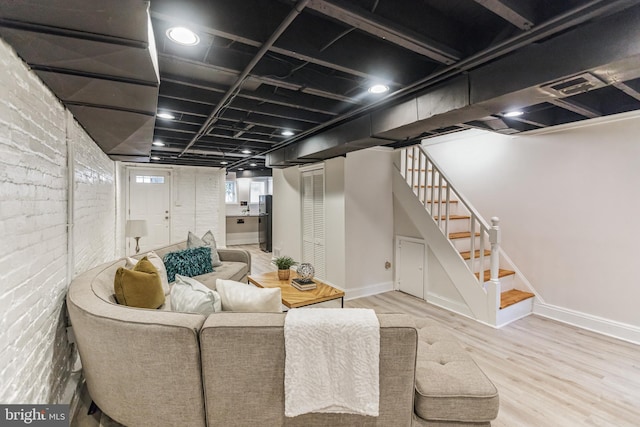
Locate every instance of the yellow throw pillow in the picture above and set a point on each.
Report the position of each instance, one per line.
(140, 287)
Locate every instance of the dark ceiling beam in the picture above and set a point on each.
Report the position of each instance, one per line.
(514, 12)
(627, 89)
(295, 54)
(271, 99)
(261, 79)
(557, 24)
(576, 107)
(380, 27)
(203, 152)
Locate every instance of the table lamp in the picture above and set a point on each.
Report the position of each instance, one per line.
(136, 228)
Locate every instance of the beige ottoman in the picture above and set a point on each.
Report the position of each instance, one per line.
(450, 388)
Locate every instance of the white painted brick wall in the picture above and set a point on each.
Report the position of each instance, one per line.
(197, 202)
(94, 203)
(35, 357)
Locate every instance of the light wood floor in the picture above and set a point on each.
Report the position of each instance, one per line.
(547, 373)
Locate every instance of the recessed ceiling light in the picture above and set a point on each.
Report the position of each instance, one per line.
(253, 165)
(167, 116)
(158, 143)
(514, 113)
(246, 151)
(224, 163)
(183, 36)
(378, 88)
(155, 158)
(287, 133)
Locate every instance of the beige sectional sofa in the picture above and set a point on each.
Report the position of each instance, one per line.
(162, 368)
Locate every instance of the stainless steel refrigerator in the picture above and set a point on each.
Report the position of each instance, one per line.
(264, 222)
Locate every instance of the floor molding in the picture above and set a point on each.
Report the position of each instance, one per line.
(622, 331)
(370, 290)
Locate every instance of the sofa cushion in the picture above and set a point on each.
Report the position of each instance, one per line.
(449, 384)
(188, 262)
(236, 271)
(194, 241)
(158, 264)
(243, 297)
(140, 287)
(190, 296)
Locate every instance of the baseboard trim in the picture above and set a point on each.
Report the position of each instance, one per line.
(367, 291)
(611, 328)
(449, 304)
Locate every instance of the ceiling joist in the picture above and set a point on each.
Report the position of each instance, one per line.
(514, 12)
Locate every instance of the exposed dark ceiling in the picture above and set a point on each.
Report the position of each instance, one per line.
(265, 66)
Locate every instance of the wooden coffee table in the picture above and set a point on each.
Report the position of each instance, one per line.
(294, 298)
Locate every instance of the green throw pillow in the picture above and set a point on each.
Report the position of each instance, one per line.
(140, 287)
(188, 262)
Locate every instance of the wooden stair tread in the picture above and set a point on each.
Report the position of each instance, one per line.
(467, 254)
(501, 273)
(461, 235)
(444, 217)
(513, 296)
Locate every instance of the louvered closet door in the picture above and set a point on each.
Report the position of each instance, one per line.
(313, 248)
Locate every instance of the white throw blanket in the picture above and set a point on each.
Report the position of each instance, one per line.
(332, 361)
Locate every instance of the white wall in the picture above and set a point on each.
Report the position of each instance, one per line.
(38, 139)
(568, 202)
(369, 221)
(286, 223)
(358, 218)
(335, 229)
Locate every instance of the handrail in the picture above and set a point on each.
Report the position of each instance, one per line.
(424, 176)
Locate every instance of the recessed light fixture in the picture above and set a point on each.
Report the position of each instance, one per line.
(253, 165)
(240, 169)
(183, 36)
(224, 163)
(167, 116)
(246, 151)
(158, 143)
(379, 88)
(287, 133)
(514, 113)
(155, 158)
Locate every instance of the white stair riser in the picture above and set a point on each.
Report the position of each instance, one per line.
(463, 245)
(507, 283)
(476, 263)
(514, 312)
(456, 225)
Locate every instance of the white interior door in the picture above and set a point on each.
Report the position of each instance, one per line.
(411, 268)
(150, 199)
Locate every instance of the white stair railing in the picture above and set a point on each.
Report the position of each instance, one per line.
(428, 181)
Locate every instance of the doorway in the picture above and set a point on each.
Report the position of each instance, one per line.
(150, 199)
(410, 262)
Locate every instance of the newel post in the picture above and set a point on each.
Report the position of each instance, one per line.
(494, 239)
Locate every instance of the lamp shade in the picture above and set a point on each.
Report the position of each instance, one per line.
(136, 228)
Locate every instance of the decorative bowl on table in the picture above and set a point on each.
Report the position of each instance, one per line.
(305, 272)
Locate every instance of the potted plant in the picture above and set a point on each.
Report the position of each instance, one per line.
(284, 263)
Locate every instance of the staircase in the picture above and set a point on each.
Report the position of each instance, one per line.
(465, 244)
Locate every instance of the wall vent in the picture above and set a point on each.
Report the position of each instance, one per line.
(574, 85)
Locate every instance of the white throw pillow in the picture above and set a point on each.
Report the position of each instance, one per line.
(190, 296)
(237, 296)
(158, 264)
(194, 241)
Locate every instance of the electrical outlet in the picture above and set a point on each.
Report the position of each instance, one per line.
(276, 252)
(387, 265)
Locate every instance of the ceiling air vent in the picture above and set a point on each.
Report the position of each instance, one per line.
(574, 85)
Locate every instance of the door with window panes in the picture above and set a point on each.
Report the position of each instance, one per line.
(313, 226)
(149, 199)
